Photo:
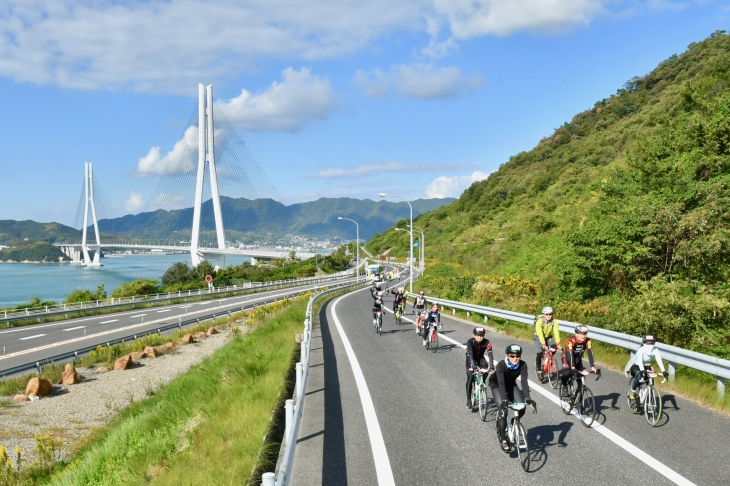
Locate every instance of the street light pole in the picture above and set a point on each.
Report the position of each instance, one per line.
(423, 249)
(410, 249)
(357, 247)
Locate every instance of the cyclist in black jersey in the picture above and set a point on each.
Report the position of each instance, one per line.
(504, 387)
(377, 296)
(476, 348)
(419, 305)
(433, 316)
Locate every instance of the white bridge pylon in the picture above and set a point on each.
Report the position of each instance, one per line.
(206, 154)
(89, 201)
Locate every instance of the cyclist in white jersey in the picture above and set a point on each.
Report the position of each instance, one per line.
(642, 361)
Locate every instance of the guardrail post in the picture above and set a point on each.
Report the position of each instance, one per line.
(720, 387)
(453, 311)
(38, 367)
(672, 369)
(300, 381)
(268, 479)
(289, 413)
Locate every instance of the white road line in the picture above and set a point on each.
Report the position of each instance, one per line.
(139, 315)
(32, 337)
(665, 471)
(74, 328)
(164, 310)
(108, 322)
(377, 444)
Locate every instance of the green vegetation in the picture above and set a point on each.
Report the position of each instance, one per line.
(33, 251)
(188, 432)
(619, 219)
(86, 295)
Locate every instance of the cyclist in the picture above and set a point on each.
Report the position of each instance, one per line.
(398, 299)
(377, 296)
(476, 347)
(433, 317)
(546, 333)
(419, 305)
(503, 383)
(575, 347)
(641, 362)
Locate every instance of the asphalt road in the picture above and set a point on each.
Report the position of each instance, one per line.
(28, 344)
(383, 410)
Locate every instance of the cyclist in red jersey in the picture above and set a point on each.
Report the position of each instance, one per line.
(575, 347)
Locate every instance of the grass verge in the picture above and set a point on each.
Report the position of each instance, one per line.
(205, 427)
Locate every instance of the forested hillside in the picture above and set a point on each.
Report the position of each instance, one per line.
(619, 219)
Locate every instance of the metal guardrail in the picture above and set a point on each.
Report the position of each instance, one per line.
(38, 365)
(673, 355)
(39, 313)
(294, 409)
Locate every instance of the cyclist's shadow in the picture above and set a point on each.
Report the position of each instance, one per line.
(542, 437)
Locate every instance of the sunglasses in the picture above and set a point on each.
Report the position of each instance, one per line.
(548, 313)
(512, 356)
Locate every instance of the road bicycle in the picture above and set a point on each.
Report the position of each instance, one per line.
(517, 436)
(480, 392)
(549, 365)
(379, 322)
(576, 394)
(432, 341)
(398, 313)
(421, 322)
(647, 396)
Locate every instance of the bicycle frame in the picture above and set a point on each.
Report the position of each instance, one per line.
(549, 364)
(432, 339)
(579, 396)
(517, 436)
(647, 397)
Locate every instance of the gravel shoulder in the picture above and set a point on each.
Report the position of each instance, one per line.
(74, 412)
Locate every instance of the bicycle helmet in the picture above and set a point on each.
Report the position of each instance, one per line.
(648, 339)
(479, 331)
(400, 290)
(547, 310)
(513, 349)
(581, 329)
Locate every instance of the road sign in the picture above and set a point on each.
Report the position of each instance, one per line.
(208, 278)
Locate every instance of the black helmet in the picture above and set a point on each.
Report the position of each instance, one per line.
(581, 329)
(648, 339)
(513, 349)
(479, 331)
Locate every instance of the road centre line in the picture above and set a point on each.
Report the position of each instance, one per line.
(32, 337)
(164, 310)
(138, 315)
(74, 328)
(377, 444)
(109, 322)
(662, 469)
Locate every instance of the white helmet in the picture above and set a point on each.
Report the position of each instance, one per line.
(400, 289)
(547, 310)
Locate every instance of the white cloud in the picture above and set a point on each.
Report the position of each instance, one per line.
(452, 186)
(421, 81)
(475, 18)
(169, 202)
(290, 105)
(170, 45)
(377, 169)
(134, 203)
(181, 159)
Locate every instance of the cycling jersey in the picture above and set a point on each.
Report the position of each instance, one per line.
(398, 298)
(419, 302)
(433, 316)
(543, 330)
(475, 352)
(644, 356)
(574, 349)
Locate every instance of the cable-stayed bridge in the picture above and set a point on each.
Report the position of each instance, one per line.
(200, 142)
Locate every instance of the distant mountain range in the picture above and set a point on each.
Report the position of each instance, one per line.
(244, 220)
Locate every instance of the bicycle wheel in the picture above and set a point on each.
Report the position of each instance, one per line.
(523, 449)
(587, 406)
(434, 340)
(653, 406)
(633, 403)
(552, 372)
(483, 397)
(380, 325)
(565, 392)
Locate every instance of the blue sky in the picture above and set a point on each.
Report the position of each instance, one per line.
(333, 98)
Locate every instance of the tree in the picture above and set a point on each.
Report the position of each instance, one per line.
(137, 287)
